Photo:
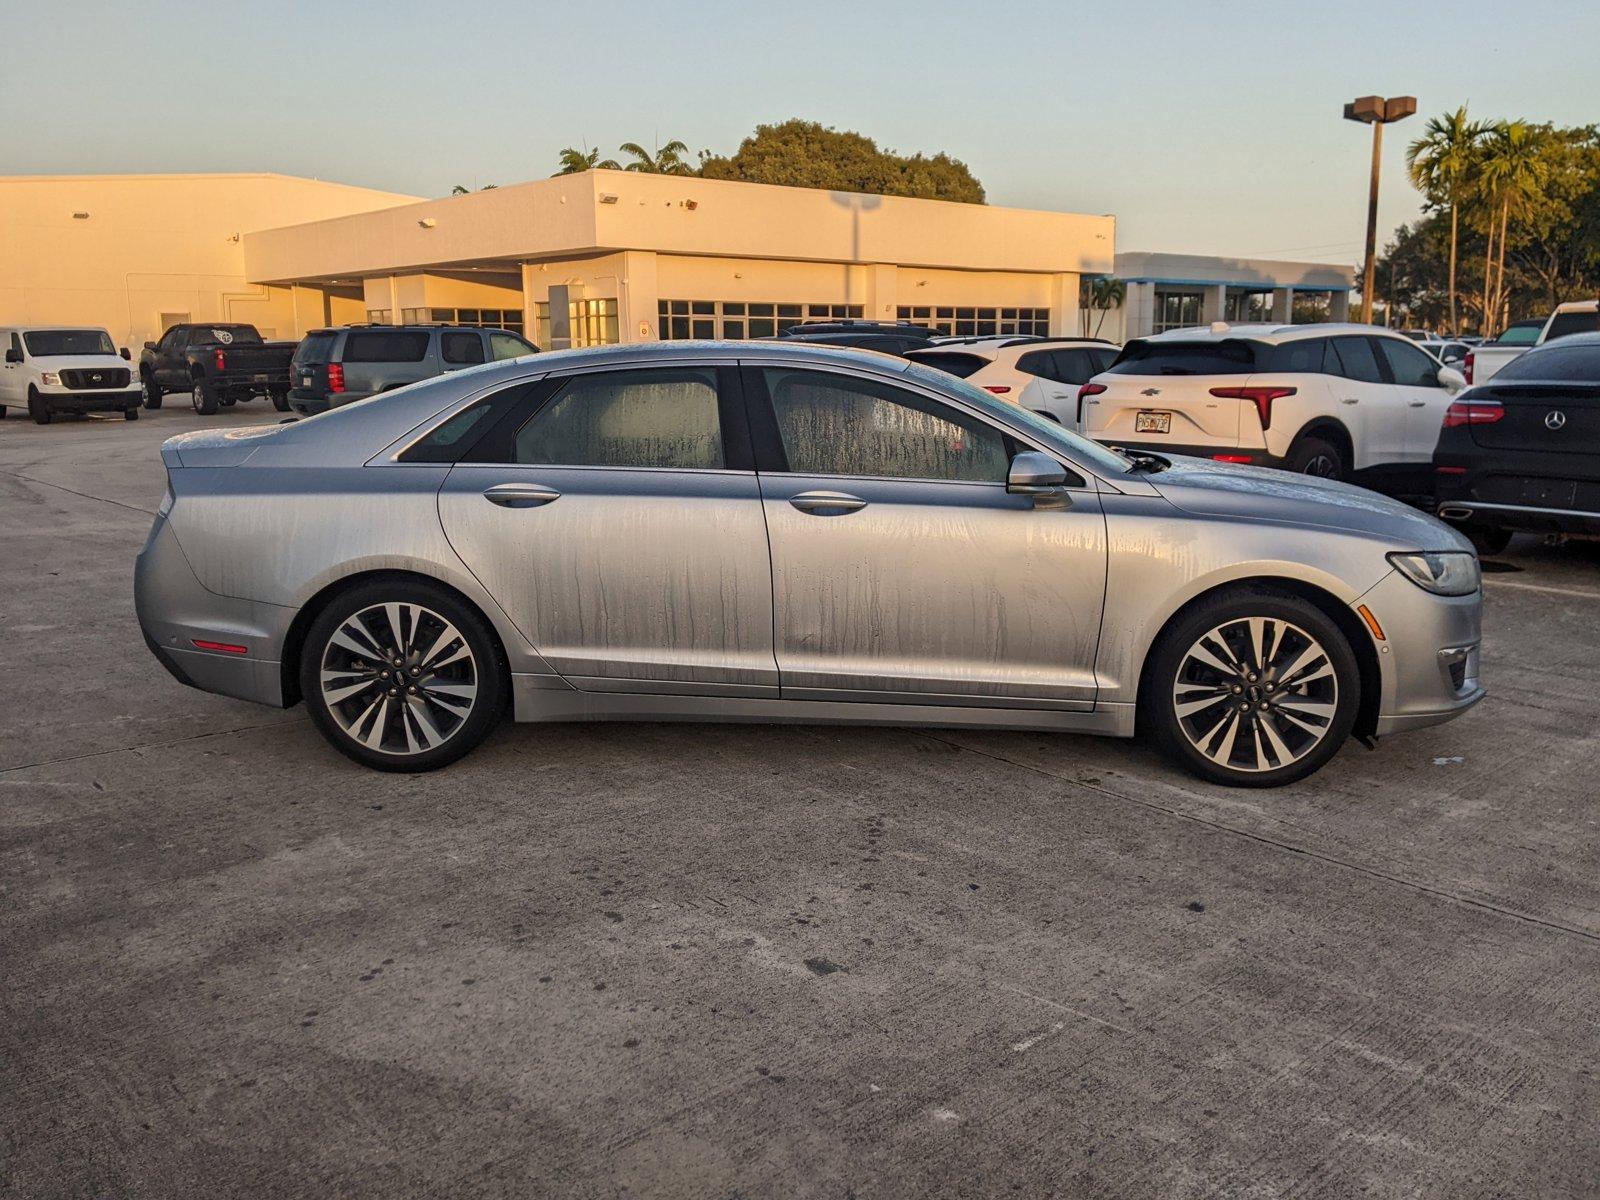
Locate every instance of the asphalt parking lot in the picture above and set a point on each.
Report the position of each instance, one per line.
(710, 961)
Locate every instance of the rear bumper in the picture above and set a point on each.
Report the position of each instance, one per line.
(175, 611)
(1524, 518)
(1238, 454)
(311, 403)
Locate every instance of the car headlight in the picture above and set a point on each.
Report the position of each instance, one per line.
(1442, 572)
(49, 378)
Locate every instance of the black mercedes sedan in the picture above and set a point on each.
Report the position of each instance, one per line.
(1522, 452)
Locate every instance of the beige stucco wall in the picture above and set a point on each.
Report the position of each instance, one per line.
(153, 245)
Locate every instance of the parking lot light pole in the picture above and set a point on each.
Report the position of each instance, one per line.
(1377, 112)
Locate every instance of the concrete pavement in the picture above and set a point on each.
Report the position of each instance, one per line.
(727, 961)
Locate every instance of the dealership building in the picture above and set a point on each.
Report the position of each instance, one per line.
(585, 259)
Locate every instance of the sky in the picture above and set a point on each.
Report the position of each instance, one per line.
(1204, 127)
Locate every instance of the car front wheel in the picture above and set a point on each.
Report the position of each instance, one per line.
(38, 408)
(1253, 689)
(402, 675)
(152, 391)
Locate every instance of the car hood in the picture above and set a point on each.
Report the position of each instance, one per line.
(1228, 490)
(82, 362)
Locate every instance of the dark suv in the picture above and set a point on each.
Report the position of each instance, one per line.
(333, 367)
(899, 338)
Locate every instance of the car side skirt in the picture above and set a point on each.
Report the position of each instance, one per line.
(536, 701)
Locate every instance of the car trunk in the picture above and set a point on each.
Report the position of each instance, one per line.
(308, 370)
(1159, 390)
(1560, 418)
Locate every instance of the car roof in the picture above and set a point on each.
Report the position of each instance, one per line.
(1579, 306)
(51, 328)
(1571, 339)
(1272, 332)
(994, 349)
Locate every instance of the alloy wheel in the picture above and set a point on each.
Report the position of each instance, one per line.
(399, 678)
(1321, 466)
(198, 397)
(1256, 694)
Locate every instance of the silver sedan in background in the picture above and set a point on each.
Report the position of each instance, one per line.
(770, 532)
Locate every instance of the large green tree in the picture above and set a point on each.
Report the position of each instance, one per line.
(806, 154)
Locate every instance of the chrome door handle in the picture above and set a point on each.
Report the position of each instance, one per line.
(827, 504)
(520, 495)
(1351, 400)
(1416, 403)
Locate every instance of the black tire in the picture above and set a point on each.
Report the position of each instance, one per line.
(3, 411)
(1486, 539)
(343, 721)
(1314, 456)
(1296, 623)
(280, 401)
(131, 414)
(38, 408)
(152, 391)
(203, 397)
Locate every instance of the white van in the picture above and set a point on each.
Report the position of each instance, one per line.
(52, 369)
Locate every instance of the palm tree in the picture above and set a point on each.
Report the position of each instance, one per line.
(1440, 162)
(668, 160)
(1513, 174)
(1101, 295)
(573, 161)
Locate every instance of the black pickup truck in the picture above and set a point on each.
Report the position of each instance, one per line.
(217, 364)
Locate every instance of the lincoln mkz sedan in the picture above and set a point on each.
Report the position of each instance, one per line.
(774, 532)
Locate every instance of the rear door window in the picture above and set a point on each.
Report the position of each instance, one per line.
(1230, 357)
(460, 348)
(1410, 366)
(1304, 357)
(1038, 362)
(1074, 366)
(508, 345)
(386, 345)
(1356, 360)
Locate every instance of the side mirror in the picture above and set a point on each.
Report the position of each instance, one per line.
(126, 357)
(1035, 474)
(149, 345)
(13, 355)
(1452, 379)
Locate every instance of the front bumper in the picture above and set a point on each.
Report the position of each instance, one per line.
(81, 402)
(1429, 655)
(175, 611)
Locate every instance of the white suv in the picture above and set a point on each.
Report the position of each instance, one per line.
(1332, 400)
(1042, 374)
(53, 369)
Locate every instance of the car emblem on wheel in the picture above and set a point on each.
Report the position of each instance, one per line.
(1555, 420)
(1151, 392)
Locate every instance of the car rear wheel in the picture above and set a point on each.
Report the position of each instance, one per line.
(130, 414)
(152, 391)
(1313, 456)
(38, 408)
(402, 676)
(1486, 539)
(280, 401)
(203, 397)
(1254, 689)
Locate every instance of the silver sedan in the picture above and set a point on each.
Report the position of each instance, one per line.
(769, 532)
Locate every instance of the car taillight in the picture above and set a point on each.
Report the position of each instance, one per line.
(1231, 458)
(1473, 412)
(1088, 389)
(336, 377)
(1467, 364)
(1261, 397)
(222, 361)
(999, 389)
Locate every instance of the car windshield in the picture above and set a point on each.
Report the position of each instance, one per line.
(1566, 324)
(59, 343)
(1564, 363)
(1519, 335)
(1045, 431)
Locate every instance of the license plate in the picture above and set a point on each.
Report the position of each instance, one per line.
(1152, 422)
(263, 378)
(306, 379)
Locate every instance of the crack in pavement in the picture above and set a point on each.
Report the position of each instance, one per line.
(149, 512)
(193, 737)
(1331, 859)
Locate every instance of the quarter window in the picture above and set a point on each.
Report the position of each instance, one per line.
(378, 345)
(1411, 367)
(1303, 357)
(665, 418)
(839, 425)
(505, 345)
